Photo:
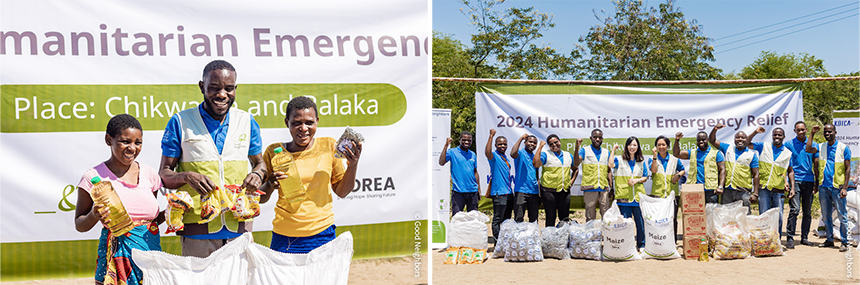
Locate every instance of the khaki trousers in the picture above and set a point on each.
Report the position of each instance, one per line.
(592, 199)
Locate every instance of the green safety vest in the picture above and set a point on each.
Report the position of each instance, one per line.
(200, 155)
(738, 169)
(711, 171)
(624, 173)
(773, 170)
(554, 173)
(595, 170)
(838, 164)
(661, 180)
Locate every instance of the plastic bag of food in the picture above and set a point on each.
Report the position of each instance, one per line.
(177, 204)
(230, 195)
(658, 216)
(479, 256)
(710, 208)
(523, 243)
(247, 205)
(465, 255)
(764, 233)
(852, 200)
(180, 199)
(585, 240)
(619, 236)
(852, 237)
(731, 238)
(554, 241)
(451, 255)
(210, 207)
(468, 229)
(502, 242)
(345, 142)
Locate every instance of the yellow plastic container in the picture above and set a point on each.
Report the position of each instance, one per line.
(703, 251)
(103, 193)
(292, 187)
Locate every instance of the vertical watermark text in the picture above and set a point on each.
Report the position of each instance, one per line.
(416, 249)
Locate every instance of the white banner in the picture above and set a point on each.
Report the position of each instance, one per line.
(68, 66)
(441, 199)
(650, 113)
(847, 125)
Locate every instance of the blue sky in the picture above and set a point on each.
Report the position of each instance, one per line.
(837, 43)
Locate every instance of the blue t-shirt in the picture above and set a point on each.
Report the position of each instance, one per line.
(171, 146)
(171, 142)
(829, 167)
(525, 179)
(463, 165)
(500, 170)
(801, 161)
(700, 163)
(597, 152)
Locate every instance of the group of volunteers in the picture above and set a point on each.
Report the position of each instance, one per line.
(203, 149)
(745, 171)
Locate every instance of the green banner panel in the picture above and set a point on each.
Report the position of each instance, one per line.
(87, 108)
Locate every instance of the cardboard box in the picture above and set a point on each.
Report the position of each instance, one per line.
(691, 246)
(693, 198)
(694, 224)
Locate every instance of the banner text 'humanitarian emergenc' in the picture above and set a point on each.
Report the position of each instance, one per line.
(114, 41)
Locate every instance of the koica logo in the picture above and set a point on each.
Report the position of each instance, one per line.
(842, 123)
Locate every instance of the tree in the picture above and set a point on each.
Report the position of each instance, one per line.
(647, 44)
(450, 59)
(820, 98)
(503, 47)
(505, 42)
(770, 65)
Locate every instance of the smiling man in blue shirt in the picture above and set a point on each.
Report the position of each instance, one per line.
(775, 167)
(831, 165)
(464, 173)
(805, 186)
(707, 165)
(206, 148)
(500, 181)
(742, 181)
(526, 195)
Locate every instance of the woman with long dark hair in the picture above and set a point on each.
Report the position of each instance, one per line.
(630, 172)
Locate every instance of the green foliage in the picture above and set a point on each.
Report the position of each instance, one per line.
(771, 65)
(450, 59)
(641, 43)
(504, 45)
(820, 98)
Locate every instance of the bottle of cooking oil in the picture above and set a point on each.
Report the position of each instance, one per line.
(291, 187)
(103, 193)
(703, 250)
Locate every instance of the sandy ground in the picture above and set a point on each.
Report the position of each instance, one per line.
(397, 270)
(802, 265)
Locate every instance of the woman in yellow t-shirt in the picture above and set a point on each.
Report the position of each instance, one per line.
(304, 222)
